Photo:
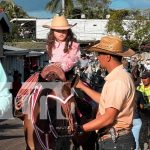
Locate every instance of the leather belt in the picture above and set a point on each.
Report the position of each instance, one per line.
(118, 134)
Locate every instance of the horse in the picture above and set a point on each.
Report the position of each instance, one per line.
(51, 112)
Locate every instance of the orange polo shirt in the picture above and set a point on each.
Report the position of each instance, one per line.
(118, 92)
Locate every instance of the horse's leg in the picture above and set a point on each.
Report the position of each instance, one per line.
(28, 130)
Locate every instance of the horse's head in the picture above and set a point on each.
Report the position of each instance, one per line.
(53, 102)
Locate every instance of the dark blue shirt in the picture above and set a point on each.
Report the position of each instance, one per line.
(139, 99)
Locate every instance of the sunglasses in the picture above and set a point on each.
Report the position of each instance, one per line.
(99, 53)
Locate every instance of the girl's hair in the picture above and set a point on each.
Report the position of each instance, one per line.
(51, 41)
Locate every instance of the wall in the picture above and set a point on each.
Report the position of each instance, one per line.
(85, 29)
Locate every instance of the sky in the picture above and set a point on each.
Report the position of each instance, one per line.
(35, 8)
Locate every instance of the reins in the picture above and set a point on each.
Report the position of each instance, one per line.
(65, 105)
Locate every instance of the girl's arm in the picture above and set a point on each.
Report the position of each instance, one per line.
(69, 62)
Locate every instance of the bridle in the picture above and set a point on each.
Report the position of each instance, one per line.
(66, 108)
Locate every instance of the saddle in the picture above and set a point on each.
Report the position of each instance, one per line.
(49, 73)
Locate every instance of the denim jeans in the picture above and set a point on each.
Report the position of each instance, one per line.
(137, 124)
(124, 142)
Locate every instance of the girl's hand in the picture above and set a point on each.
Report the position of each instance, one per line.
(19, 104)
(58, 64)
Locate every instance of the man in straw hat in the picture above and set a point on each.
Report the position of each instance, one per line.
(116, 101)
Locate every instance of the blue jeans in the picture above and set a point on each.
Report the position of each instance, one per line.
(137, 124)
(124, 142)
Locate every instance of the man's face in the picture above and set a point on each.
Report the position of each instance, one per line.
(146, 81)
(102, 60)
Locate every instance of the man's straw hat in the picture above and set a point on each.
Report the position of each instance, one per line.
(59, 23)
(112, 45)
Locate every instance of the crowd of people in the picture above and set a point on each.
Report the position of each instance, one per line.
(122, 98)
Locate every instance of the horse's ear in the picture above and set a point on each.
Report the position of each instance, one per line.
(75, 81)
(40, 79)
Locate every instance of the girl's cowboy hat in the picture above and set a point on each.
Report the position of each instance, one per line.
(112, 45)
(59, 23)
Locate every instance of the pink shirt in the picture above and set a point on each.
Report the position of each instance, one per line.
(67, 60)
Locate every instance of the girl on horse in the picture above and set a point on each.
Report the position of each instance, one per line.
(61, 45)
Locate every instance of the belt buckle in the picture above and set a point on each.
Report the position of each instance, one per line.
(104, 137)
(123, 132)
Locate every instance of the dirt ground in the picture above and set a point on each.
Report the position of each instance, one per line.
(11, 135)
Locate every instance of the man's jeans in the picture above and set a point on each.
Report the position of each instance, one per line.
(124, 142)
(137, 124)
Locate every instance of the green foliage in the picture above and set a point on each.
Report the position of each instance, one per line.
(131, 26)
(92, 9)
(115, 23)
(13, 11)
(55, 6)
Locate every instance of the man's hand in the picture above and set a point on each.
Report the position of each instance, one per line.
(77, 83)
(79, 130)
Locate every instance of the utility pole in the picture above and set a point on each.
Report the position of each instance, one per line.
(63, 7)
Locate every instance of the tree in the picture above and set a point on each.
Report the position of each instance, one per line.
(12, 10)
(92, 9)
(131, 26)
(55, 6)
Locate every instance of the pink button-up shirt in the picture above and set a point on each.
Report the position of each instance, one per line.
(67, 60)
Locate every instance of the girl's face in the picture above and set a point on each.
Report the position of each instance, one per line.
(60, 35)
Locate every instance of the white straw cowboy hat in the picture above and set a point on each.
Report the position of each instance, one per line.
(112, 45)
(59, 23)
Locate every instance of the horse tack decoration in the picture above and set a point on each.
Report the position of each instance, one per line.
(50, 72)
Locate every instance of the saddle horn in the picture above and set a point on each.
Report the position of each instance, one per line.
(53, 72)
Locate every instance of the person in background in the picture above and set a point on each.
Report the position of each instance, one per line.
(16, 85)
(116, 101)
(137, 121)
(62, 47)
(144, 87)
(147, 64)
(83, 62)
(5, 96)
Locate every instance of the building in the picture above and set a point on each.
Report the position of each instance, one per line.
(5, 27)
